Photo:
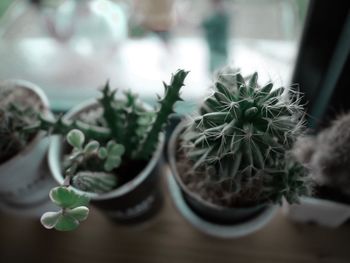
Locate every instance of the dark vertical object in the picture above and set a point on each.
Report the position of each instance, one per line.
(36, 2)
(322, 67)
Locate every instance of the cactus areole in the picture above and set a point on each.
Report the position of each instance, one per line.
(234, 153)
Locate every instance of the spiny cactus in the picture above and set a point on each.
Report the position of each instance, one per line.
(172, 95)
(243, 131)
(327, 155)
(128, 122)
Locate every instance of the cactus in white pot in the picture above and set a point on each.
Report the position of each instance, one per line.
(24, 180)
(244, 132)
(121, 131)
(232, 160)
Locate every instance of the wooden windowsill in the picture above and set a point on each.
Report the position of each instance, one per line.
(169, 238)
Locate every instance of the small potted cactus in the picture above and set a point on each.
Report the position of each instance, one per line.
(109, 156)
(24, 179)
(327, 156)
(230, 164)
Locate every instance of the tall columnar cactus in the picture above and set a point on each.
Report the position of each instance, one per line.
(172, 95)
(244, 131)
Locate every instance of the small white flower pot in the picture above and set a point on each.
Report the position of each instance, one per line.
(25, 180)
(314, 210)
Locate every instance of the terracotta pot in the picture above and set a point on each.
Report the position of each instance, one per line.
(25, 180)
(207, 217)
(135, 201)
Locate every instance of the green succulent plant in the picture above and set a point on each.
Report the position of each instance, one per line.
(13, 118)
(129, 131)
(244, 131)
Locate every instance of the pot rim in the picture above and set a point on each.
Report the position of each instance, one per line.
(319, 201)
(215, 229)
(46, 111)
(54, 157)
(172, 163)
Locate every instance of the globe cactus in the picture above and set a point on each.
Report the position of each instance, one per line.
(244, 131)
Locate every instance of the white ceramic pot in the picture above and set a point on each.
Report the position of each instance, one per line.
(25, 180)
(313, 210)
(208, 218)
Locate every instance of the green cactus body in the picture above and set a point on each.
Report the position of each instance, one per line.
(96, 182)
(132, 124)
(62, 127)
(172, 95)
(113, 113)
(244, 129)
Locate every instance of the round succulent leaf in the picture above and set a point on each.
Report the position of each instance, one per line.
(80, 213)
(81, 200)
(62, 196)
(76, 138)
(102, 153)
(50, 219)
(67, 198)
(66, 223)
(91, 147)
(110, 144)
(116, 150)
(111, 163)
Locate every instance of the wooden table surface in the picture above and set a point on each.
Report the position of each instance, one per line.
(169, 238)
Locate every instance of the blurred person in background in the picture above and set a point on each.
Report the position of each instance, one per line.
(216, 29)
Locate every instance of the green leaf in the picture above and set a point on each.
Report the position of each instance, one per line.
(102, 153)
(67, 198)
(79, 213)
(81, 200)
(110, 145)
(76, 138)
(111, 163)
(50, 219)
(116, 150)
(66, 223)
(91, 147)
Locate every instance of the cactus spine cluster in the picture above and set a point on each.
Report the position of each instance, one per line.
(244, 131)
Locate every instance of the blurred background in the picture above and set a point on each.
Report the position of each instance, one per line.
(71, 47)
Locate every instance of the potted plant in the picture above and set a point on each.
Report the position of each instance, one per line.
(110, 157)
(230, 164)
(24, 177)
(327, 157)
